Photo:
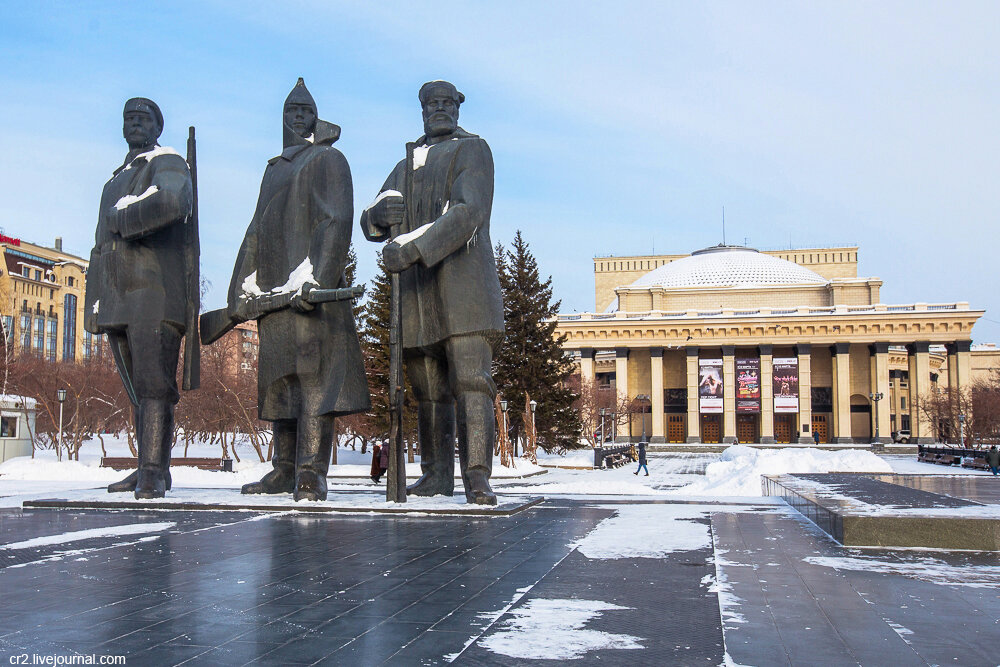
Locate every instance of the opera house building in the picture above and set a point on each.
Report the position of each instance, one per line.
(783, 346)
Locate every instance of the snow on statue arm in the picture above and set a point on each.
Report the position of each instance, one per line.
(469, 205)
(165, 201)
(374, 219)
(332, 207)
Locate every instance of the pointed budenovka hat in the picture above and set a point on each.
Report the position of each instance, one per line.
(323, 133)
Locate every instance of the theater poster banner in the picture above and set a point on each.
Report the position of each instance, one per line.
(710, 385)
(786, 384)
(748, 385)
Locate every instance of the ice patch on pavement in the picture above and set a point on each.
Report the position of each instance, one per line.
(485, 619)
(77, 535)
(925, 569)
(739, 469)
(554, 630)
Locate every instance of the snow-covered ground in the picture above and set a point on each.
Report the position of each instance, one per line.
(734, 473)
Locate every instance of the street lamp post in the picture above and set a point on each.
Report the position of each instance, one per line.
(503, 409)
(642, 398)
(876, 397)
(961, 430)
(604, 411)
(61, 397)
(534, 436)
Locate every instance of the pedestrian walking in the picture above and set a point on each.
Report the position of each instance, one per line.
(993, 459)
(380, 461)
(815, 436)
(642, 459)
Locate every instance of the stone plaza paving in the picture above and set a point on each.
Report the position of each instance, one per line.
(749, 582)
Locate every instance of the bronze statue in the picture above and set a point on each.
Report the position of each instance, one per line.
(310, 368)
(439, 199)
(142, 287)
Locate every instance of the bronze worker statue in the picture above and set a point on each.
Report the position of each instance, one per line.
(142, 287)
(434, 208)
(290, 277)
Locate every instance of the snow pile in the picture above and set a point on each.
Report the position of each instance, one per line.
(576, 458)
(403, 239)
(554, 630)
(420, 156)
(638, 531)
(382, 195)
(128, 200)
(149, 155)
(299, 276)
(739, 469)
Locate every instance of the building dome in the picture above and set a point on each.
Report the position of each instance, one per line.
(729, 266)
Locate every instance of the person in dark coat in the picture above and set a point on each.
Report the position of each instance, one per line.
(139, 286)
(993, 459)
(310, 368)
(642, 459)
(436, 207)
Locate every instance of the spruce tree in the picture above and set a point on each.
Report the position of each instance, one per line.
(531, 358)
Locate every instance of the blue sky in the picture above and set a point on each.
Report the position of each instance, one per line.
(615, 127)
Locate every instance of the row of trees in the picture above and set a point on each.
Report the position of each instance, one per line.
(972, 413)
(530, 366)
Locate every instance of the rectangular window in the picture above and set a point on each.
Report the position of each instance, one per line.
(50, 346)
(87, 341)
(8, 427)
(38, 275)
(39, 335)
(26, 331)
(25, 271)
(8, 326)
(902, 402)
(69, 281)
(69, 327)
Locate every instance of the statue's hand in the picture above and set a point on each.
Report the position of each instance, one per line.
(398, 257)
(299, 303)
(389, 212)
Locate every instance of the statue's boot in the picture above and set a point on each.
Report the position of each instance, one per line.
(127, 485)
(157, 420)
(436, 434)
(476, 438)
(313, 459)
(281, 478)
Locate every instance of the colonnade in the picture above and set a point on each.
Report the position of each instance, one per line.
(841, 409)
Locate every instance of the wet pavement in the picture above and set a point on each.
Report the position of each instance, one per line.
(765, 587)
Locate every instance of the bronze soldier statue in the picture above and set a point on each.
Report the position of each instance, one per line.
(439, 199)
(310, 368)
(142, 287)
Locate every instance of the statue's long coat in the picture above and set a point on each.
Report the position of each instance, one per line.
(137, 275)
(454, 289)
(309, 363)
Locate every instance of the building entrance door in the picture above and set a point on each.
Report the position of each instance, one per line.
(783, 427)
(819, 426)
(675, 428)
(710, 428)
(746, 428)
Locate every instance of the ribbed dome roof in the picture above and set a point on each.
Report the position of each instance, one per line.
(729, 266)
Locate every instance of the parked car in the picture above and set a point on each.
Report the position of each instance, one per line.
(902, 435)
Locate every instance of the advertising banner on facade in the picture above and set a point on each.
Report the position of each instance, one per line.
(710, 385)
(786, 384)
(748, 385)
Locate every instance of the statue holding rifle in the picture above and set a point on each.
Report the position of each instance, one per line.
(142, 286)
(289, 276)
(434, 209)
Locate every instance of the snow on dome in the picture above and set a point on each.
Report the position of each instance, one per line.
(729, 266)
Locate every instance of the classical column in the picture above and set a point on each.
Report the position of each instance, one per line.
(921, 430)
(693, 414)
(959, 364)
(880, 383)
(804, 353)
(656, 393)
(841, 358)
(728, 393)
(621, 388)
(766, 394)
(586, 366)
